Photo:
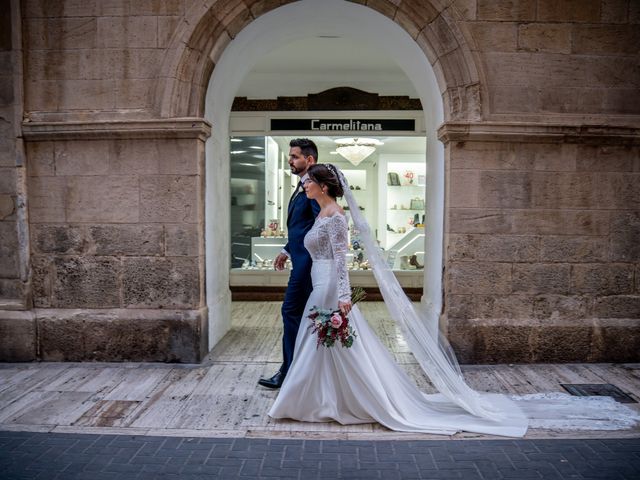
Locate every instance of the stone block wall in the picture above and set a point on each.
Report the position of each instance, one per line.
(95, 55)
(14, 283)
(549, 57)
(543, 251)
(108, 215)
(116, 225)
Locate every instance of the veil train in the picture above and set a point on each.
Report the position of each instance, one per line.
(439, 363)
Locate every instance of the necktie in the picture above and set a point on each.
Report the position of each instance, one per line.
(293, 197)
(295, 192)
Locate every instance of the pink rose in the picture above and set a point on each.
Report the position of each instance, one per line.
(336, 320)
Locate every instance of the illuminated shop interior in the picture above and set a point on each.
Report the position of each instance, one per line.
(386, 174)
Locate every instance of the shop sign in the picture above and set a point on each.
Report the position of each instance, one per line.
(343, 124)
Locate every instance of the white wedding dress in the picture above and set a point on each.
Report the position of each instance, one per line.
(363, 384)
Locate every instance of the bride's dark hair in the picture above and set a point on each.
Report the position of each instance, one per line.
(326, 174)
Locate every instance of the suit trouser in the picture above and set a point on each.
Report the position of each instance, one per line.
(295, 298)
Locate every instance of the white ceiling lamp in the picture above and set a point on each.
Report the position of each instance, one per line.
(356, 149)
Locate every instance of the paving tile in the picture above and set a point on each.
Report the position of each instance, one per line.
(77, 456)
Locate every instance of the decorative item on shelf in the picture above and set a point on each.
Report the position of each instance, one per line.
(417, 204)
(409, 176)
(404, 262)
(413, 260)
(422, 180)
(273, 229)
(416, 220)
(356, 149)
(393, 179)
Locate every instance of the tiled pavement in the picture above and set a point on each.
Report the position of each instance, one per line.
(27, 455)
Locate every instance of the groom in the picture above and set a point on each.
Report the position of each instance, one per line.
(301, 214)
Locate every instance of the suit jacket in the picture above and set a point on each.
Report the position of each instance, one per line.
(301, 215)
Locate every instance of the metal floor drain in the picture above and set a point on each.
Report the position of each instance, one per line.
(597, 389)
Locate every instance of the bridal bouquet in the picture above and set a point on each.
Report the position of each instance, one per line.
(332, 325)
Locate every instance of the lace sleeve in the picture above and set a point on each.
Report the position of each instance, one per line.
(340, 246)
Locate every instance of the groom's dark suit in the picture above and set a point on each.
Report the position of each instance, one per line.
(301, 215)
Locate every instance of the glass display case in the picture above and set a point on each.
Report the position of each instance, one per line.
(389, 188)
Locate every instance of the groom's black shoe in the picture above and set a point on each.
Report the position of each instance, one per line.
(273, 382)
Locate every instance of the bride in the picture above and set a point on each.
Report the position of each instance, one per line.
(363, 384)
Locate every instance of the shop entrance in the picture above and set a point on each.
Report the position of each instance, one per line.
(282, 26)
(389, 185)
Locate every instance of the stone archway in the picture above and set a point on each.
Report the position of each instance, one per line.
(200, 40)
(217, 45)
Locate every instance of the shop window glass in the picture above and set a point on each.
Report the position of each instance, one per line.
(389, 186)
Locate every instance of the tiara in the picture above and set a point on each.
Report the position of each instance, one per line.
(333, 170)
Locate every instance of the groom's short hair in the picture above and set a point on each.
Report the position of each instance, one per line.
(307, 147)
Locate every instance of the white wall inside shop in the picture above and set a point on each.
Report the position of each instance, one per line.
(281, 26)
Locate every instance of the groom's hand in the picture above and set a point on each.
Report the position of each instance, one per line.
(279, 262)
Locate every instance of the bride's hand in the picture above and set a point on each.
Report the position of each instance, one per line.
(345, 307)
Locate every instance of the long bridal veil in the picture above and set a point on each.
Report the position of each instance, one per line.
(438, 361)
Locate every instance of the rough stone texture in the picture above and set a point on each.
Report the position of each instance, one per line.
(599, 279)
(41, 279)
(47, 199)
(480, 277)
(121, 335)
(573, 249)
(168, 198)
(555, 307)
(617, 306)
(102, 199)
(13, 289)
(7, 206)
(86, 282)
(161, 282)
(60, 239)
(126, 239)
(529, 221)
(503, 306)
(504, 11)
(153, 157)
(17, 336)
(495, 248)
(8, 247)
(543, 37)
(40, 159)
(625, 235)
(541, 278)
(82, 157)
(182, 240)
(8, 181)
(531, 341)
